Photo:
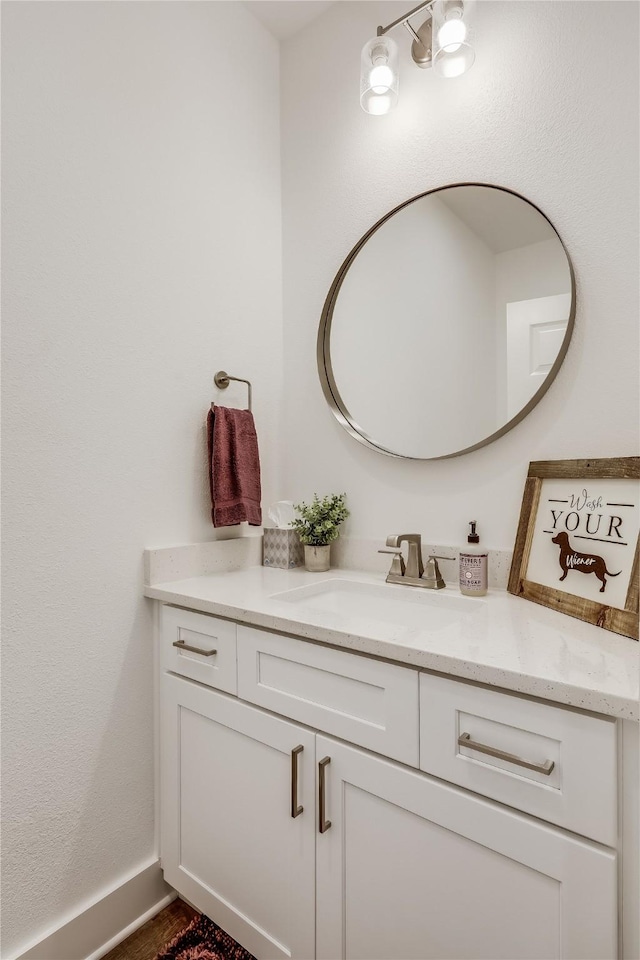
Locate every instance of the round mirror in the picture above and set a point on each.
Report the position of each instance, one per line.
(447, 322)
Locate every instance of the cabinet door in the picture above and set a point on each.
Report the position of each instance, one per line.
(230, 843)
(413, 868)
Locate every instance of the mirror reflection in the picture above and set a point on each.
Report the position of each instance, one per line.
(447, 322)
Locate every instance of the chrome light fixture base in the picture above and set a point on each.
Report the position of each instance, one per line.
(421, 48)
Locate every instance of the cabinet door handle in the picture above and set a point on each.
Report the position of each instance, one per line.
(185, 646)
(296, 808)
(464, 740)
(323, 824)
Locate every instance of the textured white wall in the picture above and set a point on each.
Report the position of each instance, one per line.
(550, 110)
(141, 242)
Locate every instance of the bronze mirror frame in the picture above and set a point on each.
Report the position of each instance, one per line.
(325, 369)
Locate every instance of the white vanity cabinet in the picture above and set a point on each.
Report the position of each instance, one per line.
(302, 845)
(368, 702)
(415, 869)
(229, 842)
(559, 765)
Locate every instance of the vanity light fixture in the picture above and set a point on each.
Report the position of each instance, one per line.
(441, 41)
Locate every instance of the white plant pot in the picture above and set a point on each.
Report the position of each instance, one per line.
(317, 559)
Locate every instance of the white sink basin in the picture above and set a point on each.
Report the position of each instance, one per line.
(382, 602)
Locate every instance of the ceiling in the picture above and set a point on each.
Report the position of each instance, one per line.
(503, 221)
(283, 18)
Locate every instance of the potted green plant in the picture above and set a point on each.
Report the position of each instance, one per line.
(317, 528)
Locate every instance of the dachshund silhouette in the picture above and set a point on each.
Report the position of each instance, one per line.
(570, 559)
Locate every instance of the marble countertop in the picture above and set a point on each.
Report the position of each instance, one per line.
(503, 640)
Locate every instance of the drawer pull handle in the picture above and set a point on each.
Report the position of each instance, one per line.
(185, 646)
(296, 808)
(464, 740)
(323, 824)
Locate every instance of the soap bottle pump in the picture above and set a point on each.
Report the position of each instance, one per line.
(473, 566)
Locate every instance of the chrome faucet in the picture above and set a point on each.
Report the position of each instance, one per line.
(414, 568)
(413, 572)
(410, 573)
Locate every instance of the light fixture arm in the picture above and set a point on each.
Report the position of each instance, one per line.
(404, 20)
(422, 37)
(413, 33)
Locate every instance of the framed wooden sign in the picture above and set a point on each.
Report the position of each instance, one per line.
(576, 549)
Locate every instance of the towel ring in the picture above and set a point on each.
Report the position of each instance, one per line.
(222, 380)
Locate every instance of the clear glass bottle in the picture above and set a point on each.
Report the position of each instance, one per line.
(473, 566)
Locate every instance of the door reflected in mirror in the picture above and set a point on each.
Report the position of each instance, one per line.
(447, 322)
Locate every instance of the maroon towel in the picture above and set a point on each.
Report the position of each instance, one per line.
(234, 467)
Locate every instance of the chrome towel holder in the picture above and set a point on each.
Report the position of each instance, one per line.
(222, 380)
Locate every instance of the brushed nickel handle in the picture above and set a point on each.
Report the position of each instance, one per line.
(296, 809)
(464, 740)
(397, 564)
(323, 824)
(185, 646)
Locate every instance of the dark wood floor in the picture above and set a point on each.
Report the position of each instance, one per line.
(145, 943)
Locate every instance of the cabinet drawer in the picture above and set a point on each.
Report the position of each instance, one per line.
(200, 647)
(364, 701)
(554, 763)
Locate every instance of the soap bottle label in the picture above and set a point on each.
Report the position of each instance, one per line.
(473, 572)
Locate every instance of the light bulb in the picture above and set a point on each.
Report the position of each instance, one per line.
(381, 78)
(379, 75)
(451, 34)
(453, 52)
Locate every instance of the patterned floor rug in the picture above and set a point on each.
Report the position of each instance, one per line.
(203, 940)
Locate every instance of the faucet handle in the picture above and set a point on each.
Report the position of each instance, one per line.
(397, 564)
(432, 573)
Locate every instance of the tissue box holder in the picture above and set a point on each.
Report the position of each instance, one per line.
(281, 548)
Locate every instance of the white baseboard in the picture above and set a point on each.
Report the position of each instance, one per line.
(119, 937)
(103, 923)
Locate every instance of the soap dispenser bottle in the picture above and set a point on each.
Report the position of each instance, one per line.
(473, 566)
